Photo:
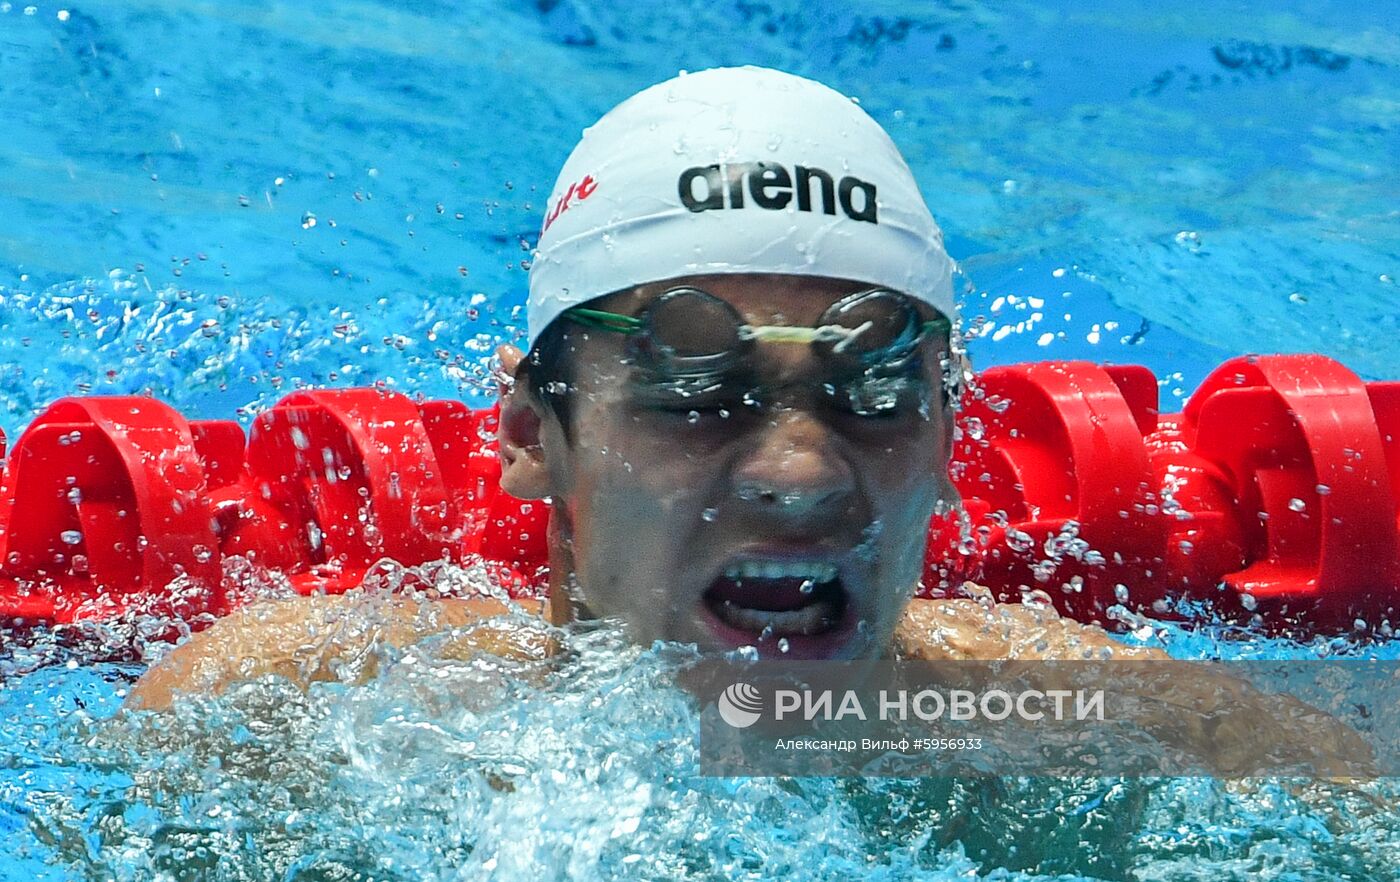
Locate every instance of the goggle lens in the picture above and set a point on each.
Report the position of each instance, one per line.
(880, 326)
(690, 332)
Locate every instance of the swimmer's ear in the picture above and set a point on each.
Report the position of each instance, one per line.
(523, 471)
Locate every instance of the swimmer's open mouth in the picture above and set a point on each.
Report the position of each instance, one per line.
(779, 598)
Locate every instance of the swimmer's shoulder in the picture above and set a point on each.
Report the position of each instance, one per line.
(334, 637)
(963, 628)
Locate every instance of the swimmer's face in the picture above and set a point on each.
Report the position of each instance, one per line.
(761, 511)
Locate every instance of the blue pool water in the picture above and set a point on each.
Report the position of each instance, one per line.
(221, 202)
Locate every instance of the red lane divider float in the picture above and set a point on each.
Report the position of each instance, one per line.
(1274, 495)
(107, 501)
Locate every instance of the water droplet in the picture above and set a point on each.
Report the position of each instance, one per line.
(308, 220)
(1248, 602)
(709, 515)
(783, 644)
(1019, 540)
(1296, 504)
(1035, 598)
(71, 537)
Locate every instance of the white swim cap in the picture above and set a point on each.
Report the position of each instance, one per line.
(734, 170)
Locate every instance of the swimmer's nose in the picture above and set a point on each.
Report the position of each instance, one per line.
(794, 472)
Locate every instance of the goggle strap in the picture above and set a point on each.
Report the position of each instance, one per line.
(942, 325)
(603, 320)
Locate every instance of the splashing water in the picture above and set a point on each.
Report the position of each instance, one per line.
(584, 766)
(321, 195)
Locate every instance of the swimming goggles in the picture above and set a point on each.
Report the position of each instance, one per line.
(687, 332)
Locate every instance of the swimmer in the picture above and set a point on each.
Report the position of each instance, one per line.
(736, 396)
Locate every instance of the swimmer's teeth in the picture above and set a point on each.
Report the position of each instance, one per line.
(811, 619)
(813, 571)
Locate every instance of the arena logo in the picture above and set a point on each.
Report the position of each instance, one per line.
(771, 186)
